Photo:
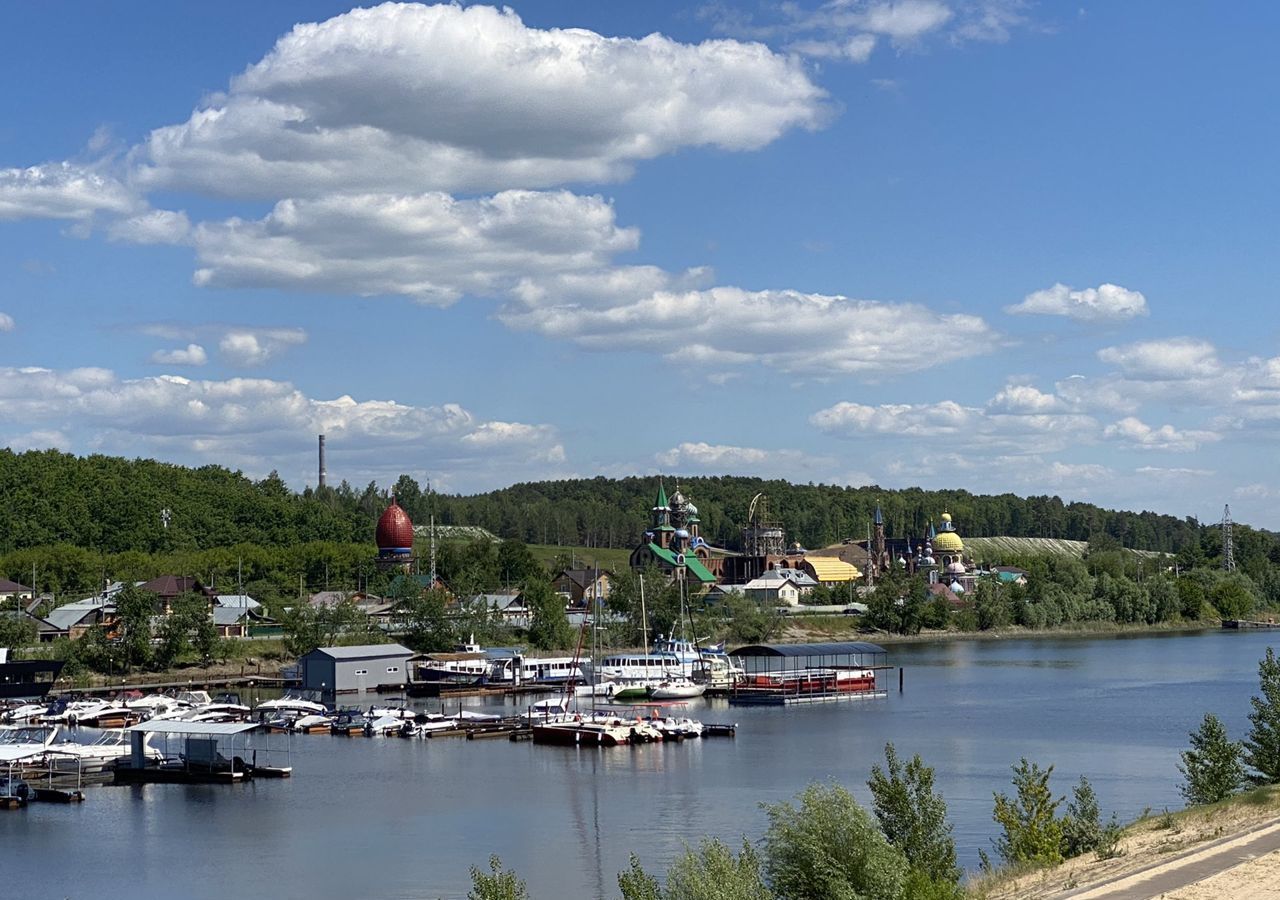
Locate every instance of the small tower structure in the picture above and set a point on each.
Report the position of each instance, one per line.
(762, 537)
(1228, 546)
(394, 537)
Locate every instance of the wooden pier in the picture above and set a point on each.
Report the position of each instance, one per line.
(1247, 624)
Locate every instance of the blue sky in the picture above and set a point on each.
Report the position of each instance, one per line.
(983, 244)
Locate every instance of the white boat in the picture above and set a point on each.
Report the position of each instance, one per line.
(676, 689)
(539, 670)
(27, 712)
(545, 710)
(312, 724)
(103, 754)
(707, 664)
(386, 725)
(291, 704)
(403, 713)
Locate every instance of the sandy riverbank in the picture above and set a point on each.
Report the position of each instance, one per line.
(1169, 850)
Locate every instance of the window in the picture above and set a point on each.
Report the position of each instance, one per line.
(362, 671)
(391, 670)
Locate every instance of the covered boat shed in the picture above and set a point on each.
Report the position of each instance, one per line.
(346, 670)
(781, 674)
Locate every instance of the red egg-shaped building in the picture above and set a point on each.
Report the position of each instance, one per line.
(395, 531)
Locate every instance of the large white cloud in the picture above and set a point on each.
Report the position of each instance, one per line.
(430, 247)
(471, 99)
(1176, 359)
(791, 331)
(1105, 302)
(63, 191)
(1019, 419)
(1134, 431)
(263, 424)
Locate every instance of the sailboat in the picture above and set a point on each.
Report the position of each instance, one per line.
(574, 728)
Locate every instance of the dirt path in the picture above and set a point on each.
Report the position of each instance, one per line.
(1244, 866)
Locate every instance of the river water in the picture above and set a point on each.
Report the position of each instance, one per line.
(389, 818)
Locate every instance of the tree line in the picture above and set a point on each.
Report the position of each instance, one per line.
(112, 505)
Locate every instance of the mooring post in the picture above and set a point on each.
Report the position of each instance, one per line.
(900, 671)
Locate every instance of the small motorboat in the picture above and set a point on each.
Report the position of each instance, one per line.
(349, 722)
(313, 724)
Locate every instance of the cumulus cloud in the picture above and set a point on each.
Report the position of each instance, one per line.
(1132, 430)
(849, 30)
(157, 226)
(471, 99)
(6, 322)
(1024, 399)
(430, 247)
(62, 191)
(262, 424)
(1019, 419)
(1107, 302)
(727, 459)
(1172, 359)
(36, 440)
(791, 331)
(255, 347)
(191, 355)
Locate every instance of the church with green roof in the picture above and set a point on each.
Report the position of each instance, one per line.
(672, 542)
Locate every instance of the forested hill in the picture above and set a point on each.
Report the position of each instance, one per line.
(113, 505)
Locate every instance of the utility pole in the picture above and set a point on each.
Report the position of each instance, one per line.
(1228, 549)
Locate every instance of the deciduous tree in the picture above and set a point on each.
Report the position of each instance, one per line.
(829, 846)
(913, 818)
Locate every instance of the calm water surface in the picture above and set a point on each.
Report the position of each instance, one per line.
(389, 818)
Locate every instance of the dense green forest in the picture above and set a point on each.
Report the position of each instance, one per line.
(78, 520)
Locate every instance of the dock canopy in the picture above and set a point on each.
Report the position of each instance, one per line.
(195, 729)
(837, 648)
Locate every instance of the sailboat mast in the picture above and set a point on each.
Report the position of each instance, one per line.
(644, 620)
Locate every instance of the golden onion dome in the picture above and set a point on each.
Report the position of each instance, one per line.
(948, 542)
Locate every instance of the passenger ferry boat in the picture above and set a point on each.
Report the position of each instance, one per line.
(539, 670)
(708, 665)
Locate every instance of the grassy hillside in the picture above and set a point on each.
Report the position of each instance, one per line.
(614, 559)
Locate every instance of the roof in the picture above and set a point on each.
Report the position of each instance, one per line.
(70, 614)
(691, 562)
(776, 578)
(583, 578)
(171, 585)
(177, 726)
(948, 541)
(237, 601)
(329, 598)
(364, 651)
(12, 587)
(229, 615)
(841, 648)
(826, 568)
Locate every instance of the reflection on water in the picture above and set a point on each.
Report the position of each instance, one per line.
(389, 818)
